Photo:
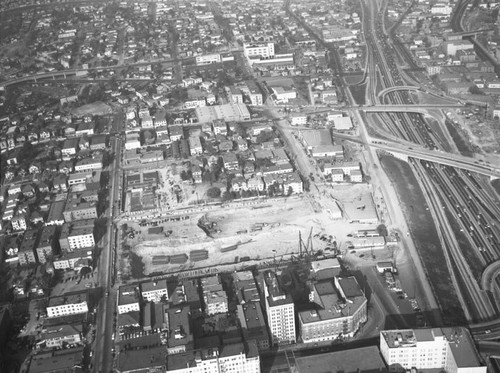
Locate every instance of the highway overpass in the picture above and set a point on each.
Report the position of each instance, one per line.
(449, 159)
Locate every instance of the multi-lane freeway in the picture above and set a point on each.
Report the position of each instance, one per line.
(455, 195)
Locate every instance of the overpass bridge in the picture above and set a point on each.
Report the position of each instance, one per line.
(436, 156)
(406, 108)
(381, 95)
(385, 91)
(464, 34)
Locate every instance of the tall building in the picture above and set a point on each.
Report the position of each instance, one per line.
(46, 244)
(280, 311)
(26, 253)
(448, 349)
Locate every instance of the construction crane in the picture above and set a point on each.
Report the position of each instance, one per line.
(306, 250)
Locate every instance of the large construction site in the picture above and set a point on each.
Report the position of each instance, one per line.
(237, 234)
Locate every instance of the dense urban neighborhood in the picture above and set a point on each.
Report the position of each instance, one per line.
(249, 186)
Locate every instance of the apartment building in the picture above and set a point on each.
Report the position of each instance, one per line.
(153, 291)
(77, 209)
(280, 311)
(128, 299)
(77, 235)
(214, 295)
(26, 253)
(46, 244)
(67, 304)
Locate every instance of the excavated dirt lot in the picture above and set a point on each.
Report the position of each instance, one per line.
(261, 231)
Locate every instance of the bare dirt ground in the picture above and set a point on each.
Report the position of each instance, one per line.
(278, 236)
(485, 135)
(96, 108)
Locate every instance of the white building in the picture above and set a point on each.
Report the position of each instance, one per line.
(356, 176)
(153, 291)
(147, 122)
(208, 59)
(19, 222)
(214, 296)
(62, 335)
(230, 358)
(88, 164)
(195, 103)
(280, 311)
(68, 304)
(132, 141)
(195, 147)
(265, 50)
(128, 299)
(283, 95)
(448, 349)
(298, 119)
(441, 8)
(342, 123)
(81, 238)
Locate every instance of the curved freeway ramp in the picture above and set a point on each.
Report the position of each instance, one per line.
(490, 280)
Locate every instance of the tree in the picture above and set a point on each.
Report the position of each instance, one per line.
(186, 175)
(213, 192)
(382, 230)
(475, 90)
(226, 196)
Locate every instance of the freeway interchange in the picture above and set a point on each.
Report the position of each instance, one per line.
(456, 195)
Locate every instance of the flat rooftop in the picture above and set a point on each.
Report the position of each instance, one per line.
(73, 298)
(462, 347)
(63, 363)
(132, 360)
(188, 359)
(128, 294)
(459, 341)
(359, 360)
(277, 297)
(154, 285)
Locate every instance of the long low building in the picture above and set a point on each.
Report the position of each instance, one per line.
(68, 304)
(235, 358)
(227, 112)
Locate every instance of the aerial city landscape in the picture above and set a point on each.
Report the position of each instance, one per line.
(302, 186)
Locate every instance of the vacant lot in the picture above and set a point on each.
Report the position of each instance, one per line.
(96, 108)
